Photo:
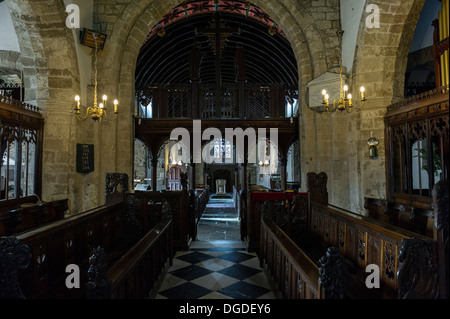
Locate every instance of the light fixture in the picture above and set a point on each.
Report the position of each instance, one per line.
(345, 101)
(265, 164)
(373, 142)
(97, 111)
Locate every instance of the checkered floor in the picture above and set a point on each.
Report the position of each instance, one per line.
(215, 270)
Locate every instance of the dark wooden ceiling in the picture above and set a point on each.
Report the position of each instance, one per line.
(163, 60)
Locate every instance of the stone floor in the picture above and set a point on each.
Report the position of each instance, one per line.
(217, 265)
(220, 221)
(219, 269)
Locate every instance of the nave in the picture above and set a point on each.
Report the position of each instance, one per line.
(220, 221)
(217, 265)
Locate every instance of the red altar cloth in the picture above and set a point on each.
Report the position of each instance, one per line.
(263, 196)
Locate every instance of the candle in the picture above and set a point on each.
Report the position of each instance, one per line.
(324, 93)
(115, 106)
(363, 90)
(77, 99)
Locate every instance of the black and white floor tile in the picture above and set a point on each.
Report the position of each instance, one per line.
(219, 269)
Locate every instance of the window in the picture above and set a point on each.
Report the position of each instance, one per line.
(222, 150)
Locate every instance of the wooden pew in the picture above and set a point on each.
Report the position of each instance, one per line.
(201, 200)
(255, 197)
(22, 214)
(37, 259)
(294, 273)
(404, 212)
(360, 241)
(69, 241)
(150, 205)
(73, 241)
(137, 273)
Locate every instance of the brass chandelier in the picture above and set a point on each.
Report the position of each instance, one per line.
(345, 101)
(97, 111)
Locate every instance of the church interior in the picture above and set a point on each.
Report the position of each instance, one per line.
(213, 149)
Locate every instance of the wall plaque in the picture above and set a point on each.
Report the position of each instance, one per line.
(85, 158)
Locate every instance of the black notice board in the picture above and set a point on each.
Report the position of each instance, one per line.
(85, 158)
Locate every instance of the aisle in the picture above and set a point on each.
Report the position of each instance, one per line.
(219, 269)
(220, 221)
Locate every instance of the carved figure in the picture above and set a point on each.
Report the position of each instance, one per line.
(98, 285)
(14, 255)
(332, 275)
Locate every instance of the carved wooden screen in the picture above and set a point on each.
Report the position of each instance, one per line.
(21, 127)
(178, 103)
(258, 103)
(417, 147)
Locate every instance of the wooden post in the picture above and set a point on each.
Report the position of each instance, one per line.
(440, 204)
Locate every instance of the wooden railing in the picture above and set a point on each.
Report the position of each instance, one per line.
(150, 205)
(23, 214)
(201, 200)
(294, 273)
(362, 240)
(136, 274)
(133, 258)
(415, 216)
(70, 241)
(255, 199)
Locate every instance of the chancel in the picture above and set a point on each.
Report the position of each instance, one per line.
(337, 162)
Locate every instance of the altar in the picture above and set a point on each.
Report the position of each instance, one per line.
(221, 187)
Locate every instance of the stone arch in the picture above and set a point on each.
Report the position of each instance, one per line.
(312, 46)
(382, 54)
(129, 32)
(31, 53)
(51, 80)
(379, 64)
(46, 49)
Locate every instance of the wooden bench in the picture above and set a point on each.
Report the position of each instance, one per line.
(295, 261)
(72, 241)
(255, 197)
(22, 214)
(150, 205)
(404, 212)
(137, 272)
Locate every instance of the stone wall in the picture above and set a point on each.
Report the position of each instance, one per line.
(337, 144)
